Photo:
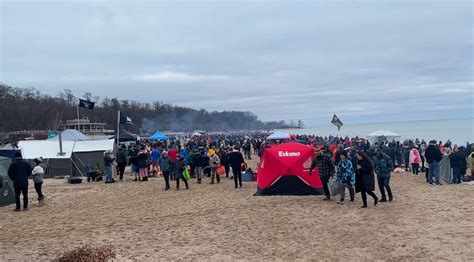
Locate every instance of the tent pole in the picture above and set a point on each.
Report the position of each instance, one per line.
(78, 122)
(118, 128)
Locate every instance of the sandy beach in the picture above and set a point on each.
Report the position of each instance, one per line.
(217, 222)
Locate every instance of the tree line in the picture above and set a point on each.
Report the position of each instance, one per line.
(29, 109)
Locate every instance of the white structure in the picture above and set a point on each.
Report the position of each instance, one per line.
(77, 155)
(383, 135)
(278, 136)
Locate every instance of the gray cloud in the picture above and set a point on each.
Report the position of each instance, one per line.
(367, 61)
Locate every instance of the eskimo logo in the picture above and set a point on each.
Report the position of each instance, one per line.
(5, 194)
(288, 154)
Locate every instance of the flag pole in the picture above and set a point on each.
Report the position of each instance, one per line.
(118, 128)
(78, 122)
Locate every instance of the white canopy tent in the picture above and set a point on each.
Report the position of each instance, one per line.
(76, 154)
(383, 136)
(71, 135)
(278, 136)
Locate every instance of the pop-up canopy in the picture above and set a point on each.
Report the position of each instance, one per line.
(71, 135)
(159, 136)
(278, 136)
(382, 136)
(284, 170)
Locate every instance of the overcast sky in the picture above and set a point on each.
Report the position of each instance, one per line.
(369, 61)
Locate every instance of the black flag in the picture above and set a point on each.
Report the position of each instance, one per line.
(86, 104)
(337, 122)
(125, 120)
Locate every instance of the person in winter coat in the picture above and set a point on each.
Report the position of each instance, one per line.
(325, 169)
(19, 171)
(214, 163)
(235, 161)
(470, 163)
(365, 178)
(457, 161)
(179, 167)
(415, 160)
(198, 162)
(345, 176)
(108, 163)
(37, 174)
(433, 156)
(165, 163)
(121, 161)
(143, 164)
(133, 158)
(383, 167)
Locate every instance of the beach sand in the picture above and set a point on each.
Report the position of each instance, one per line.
(217, 222)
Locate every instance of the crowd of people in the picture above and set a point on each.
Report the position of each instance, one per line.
(354, 162)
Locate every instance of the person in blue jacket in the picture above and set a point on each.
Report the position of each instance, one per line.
(345, 176)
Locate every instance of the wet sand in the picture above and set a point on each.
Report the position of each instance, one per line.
(217, 222)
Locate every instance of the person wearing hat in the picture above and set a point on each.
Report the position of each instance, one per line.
(38, 173)
(325, 169)
(214, 163)
(19, 171)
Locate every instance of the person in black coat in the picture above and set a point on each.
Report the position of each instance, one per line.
(235, 161)
(433, 156)
(198, 162)
(457, 161)
(19, 171)
(179, 167)
(365, 183)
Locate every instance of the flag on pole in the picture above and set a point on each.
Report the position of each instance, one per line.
(125, 120)
(86, 104)
(337, 122)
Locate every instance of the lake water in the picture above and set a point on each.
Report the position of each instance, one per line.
(459, 131)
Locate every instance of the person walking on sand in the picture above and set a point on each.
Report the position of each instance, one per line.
(179, 167)
(198, 162)
(365, 178)
(325, 169)
(345, 177)
(121, 161)
(108, 163)
(19, 171)
(383, 167)
(165, 166)
(415, 160)
(236, 159)
(37, 174)
(214, 163)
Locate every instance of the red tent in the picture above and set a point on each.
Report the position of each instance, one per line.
(284, 170)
